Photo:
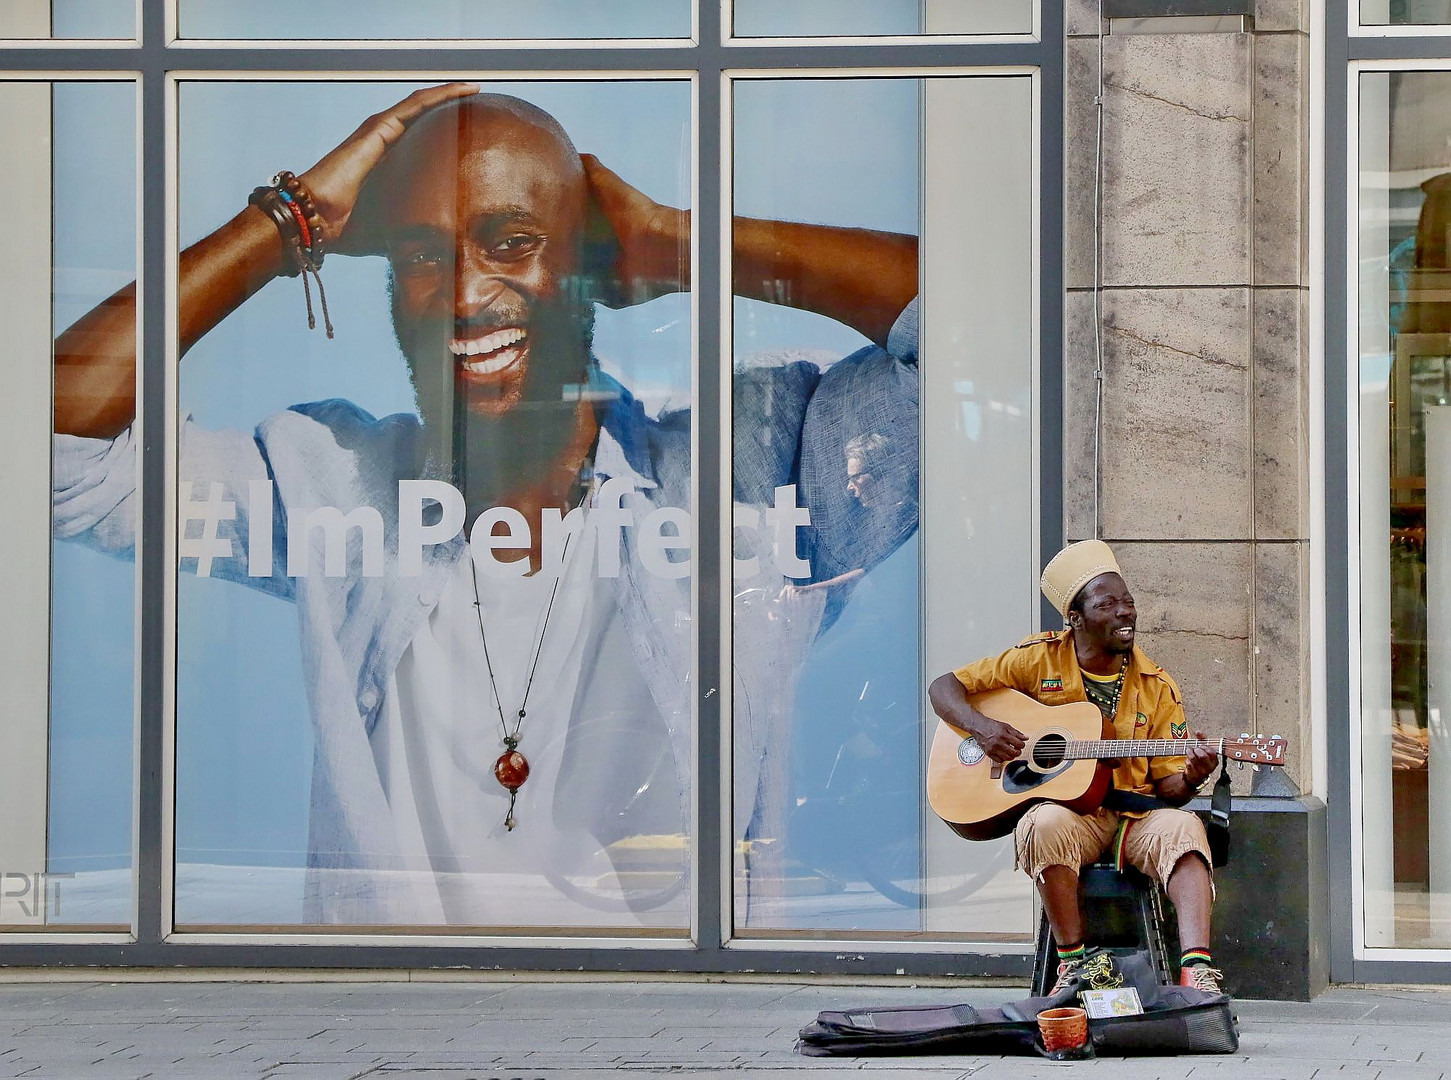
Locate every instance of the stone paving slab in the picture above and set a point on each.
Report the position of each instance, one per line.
(610, 1030)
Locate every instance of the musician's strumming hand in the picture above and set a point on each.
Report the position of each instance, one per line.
(1200, 762)
(999, 741)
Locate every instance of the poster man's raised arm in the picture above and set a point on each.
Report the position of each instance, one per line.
(859, 277)
(95, 360)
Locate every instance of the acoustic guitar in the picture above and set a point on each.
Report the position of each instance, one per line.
(1067, 760)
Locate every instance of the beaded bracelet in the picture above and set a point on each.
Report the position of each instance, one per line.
(290, 207)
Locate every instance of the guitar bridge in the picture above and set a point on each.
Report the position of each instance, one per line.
(997, 771)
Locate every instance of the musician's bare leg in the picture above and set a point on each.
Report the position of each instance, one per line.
(1193, 896)
(1058, 889)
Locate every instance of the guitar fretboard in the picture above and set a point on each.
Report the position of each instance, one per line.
(1118, 748)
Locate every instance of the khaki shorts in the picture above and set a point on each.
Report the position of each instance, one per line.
(1052, 835)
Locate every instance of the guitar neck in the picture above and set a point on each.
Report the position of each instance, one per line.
(1124, 748)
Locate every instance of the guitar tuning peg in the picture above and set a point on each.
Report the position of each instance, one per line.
(1244, 734)
(1256, 768)
(1241, 765)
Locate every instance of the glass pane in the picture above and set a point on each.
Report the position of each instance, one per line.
(1404, 12)
(842, 511)
(880, 18)
(1405, 492)
(429, 19)
(520, 327)
(68, 154)
(102, 19)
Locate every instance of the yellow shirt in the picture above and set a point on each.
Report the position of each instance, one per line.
(1045, 667)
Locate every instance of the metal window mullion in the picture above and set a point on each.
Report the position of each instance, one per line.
(1052, 183)
(152, 539)
(713, 840)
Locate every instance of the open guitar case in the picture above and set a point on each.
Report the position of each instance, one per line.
(1175, 1020)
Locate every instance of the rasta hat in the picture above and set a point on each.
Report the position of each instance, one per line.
(1074, 567)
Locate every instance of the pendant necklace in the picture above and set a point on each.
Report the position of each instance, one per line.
(511, 768)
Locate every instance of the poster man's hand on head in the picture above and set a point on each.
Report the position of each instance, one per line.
(336, 181)
(644, 246)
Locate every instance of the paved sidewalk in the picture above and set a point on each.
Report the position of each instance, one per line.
(597, 1030)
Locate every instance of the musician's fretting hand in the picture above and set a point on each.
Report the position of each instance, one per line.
(1200, 762)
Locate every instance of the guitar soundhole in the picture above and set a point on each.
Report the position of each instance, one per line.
(1048, 751)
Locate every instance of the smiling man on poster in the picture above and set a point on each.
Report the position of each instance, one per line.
(494, 595)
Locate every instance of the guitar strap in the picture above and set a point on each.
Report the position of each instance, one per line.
(1217, 828)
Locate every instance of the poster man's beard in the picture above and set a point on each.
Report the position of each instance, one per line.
(493, 451)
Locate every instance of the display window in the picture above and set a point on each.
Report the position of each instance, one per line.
(66, 749)
(881, 328)
(63, 20)
(436, 20)
(880, 18)
(1404, 389)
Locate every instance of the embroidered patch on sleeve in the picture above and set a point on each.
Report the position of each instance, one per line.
(1051, 684)
(1179, 731)
(1140, 720)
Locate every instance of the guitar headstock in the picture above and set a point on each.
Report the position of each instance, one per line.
(1258, 749)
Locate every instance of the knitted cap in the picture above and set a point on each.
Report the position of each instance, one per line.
(1074, 567)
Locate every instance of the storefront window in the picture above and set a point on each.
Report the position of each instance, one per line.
(458, 531)
(880, 18)
(1405, 506)
(68, 158)
(882, 259)
(102, 19)
(434, 19)
(1404, 12)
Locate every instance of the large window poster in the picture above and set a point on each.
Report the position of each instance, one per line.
(435, 650)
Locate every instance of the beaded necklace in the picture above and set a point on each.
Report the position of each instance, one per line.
(1106, 695)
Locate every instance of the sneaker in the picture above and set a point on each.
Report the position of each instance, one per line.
(1068, 975)
(1201, 977)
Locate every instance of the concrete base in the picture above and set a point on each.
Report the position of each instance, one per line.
(1272, 910)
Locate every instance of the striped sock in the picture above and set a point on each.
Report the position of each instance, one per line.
(1073, 952)
(1195, 956)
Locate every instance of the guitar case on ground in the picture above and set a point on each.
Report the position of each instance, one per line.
(1175, 1020)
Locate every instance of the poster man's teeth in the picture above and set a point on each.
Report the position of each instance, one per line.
(504, 358)
(499, 339)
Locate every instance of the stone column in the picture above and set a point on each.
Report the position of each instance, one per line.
(1204, 485)
(1203, 488)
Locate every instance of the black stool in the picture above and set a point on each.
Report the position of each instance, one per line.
(1122, 911)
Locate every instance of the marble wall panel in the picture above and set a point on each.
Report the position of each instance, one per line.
(1281, 415)
(1280, 177)
(1282, 15)
(1193, 601)
(1282, 650)
(1176, 455)
(1176, 159)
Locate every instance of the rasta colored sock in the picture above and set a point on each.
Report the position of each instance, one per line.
(1073, 952)
(1195, 956)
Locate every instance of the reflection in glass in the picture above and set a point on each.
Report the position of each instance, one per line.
(68, 156)
(434, 19)
(828, 646)
(880, 18)
(1405, 511)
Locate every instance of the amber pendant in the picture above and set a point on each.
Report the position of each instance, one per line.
(511, 770)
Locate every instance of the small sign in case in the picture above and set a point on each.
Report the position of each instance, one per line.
(1101, 1004)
